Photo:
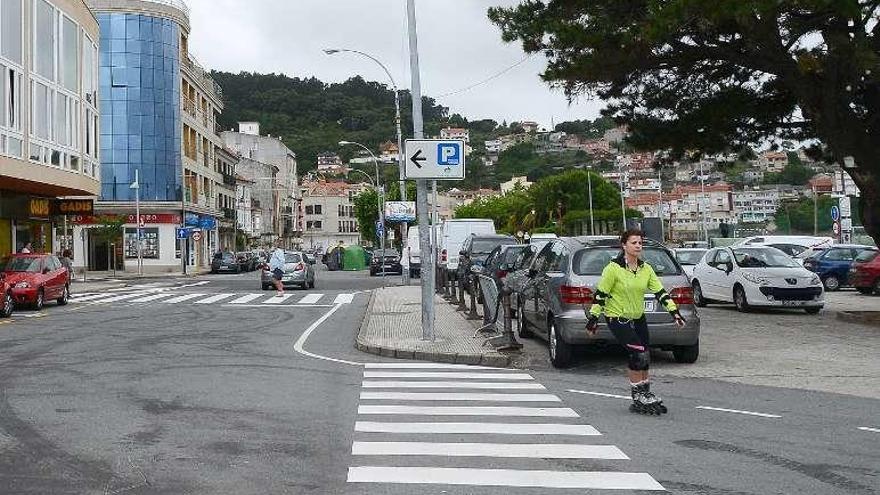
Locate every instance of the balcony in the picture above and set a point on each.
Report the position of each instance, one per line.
(229, 214)
(229, 180)
(201, 76)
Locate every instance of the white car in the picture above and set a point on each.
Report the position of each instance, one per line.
(756, 276)
(688, 259)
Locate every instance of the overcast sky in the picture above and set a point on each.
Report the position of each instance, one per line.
(458, 48)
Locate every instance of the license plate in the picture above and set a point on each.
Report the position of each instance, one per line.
(793, 303)
(650, 306)
(224, 266)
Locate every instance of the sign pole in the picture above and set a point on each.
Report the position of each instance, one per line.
(427, 279)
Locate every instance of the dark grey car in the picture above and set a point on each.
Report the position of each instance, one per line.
(297, 271)
(474, 252)
(553, 304)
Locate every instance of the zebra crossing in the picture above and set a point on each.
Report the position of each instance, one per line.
(229, 299)
(447, 424)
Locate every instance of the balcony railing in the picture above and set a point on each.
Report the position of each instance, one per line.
(229, 214)
(229, 180)
(201, 74)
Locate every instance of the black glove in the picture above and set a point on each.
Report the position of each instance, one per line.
(679, 320)
(592, 324)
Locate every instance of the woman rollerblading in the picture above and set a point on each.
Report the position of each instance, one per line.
(620, 296)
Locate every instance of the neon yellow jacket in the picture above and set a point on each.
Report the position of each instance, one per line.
(621, 292)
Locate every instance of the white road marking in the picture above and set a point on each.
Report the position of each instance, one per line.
(119, 298)
(436, 366)
(500, 450)
(196, 284)
(873, 430)
(595, 480)
(600, 394)
(311, 299)
(344, 299)
(91, 297)
(154, 297)
(477, 428)
(298, 345)
(185, 297)
(536, 412)
(737, 411)
(451, 374)
(276, 305)
(464, 384)
(458, 396)
(215, 298)
(276, 299)
(246, 298)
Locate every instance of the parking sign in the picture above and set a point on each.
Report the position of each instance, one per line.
(438, 159)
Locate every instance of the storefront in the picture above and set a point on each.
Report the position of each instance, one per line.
(25, 220)
(108, 241)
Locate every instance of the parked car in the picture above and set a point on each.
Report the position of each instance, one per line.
(455, 231)
(498, 265)
(864, 274)
(7, 304)
(756, 276)
(474, 252)
(833, 264)
(247, 261)
(389, 259)
(225, 262)
(37, 278)
(541, 239)
(310, 258)
(296, 272)
(798, 247)
(564, 277)
(688, 259)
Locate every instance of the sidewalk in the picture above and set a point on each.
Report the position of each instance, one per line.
(392, 327)
(100, 281)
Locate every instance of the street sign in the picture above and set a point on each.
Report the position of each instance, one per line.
(400, 211)
(835, 227)
(835, 213)
(845, 206)
(439, 159)
(846, 224)
(846, 237)
(182, 233)
(380, 229)
(197, 236)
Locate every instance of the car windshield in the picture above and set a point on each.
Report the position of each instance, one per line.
(23, 264)
(292, 258)
(867, 255)
(591, 261)
(762, 258)
(689, 257)
(511, 254)
(485, 246)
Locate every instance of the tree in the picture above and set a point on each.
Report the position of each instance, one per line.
(705, 75)
(366, 211)
(108, 229)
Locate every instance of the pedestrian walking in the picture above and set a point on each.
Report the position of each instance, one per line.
(276, 266)
(620, 295)
(67, 261)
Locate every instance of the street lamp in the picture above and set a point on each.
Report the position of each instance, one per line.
(378, 196)
(400, 165)
(136, 185)
(590, 189)
(622, 189)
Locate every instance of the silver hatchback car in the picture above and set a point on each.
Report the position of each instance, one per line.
(553, 304)
(297, 271)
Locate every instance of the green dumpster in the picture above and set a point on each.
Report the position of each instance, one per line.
(354, 259)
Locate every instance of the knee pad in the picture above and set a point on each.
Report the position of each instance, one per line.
(639, 360)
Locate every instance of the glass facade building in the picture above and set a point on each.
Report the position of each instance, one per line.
(140, 107)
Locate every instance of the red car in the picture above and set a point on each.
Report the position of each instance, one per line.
(6, 303)
(865, 272)
(37, 278)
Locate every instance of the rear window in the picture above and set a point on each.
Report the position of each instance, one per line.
(592, 261)
(867, 255)
(292, 258)
(689, 257)
(485, 246)
(21, 264)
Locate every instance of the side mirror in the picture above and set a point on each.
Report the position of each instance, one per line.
(727, 267)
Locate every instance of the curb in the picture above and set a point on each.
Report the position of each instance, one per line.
(863, 317)
(496, 361)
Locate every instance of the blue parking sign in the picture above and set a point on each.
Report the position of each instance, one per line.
(449, 154)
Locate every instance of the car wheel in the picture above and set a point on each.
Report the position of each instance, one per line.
(38, 304)
(699, 300)
(831, 282)
(560, 350)
(812, 311)
(877, 286)
(65, 296)
(739, 298)
(522, 327)
(6, 309)
(686, 354)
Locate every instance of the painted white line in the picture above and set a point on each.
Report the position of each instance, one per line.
(275, 305)
(154, 297)
(196, 284)
(873, 430)
(465, 384)
(595, 480)
(246, 298)
(458, 396)
(91, 297)
(298, 345)
(535, 412)
(502, 450)
(600, 394)
(434, 366)
(276, 299)
(477, 428)
(213, 299)
(311, 299)
(344, 299)
(451, 374)
(119, 298)
(737, 411)
(185, 297)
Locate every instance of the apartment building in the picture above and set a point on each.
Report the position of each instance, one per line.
(755, 204)
(49, 122)
(455, 133)
(329, 214)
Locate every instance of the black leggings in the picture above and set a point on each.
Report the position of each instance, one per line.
(633, 336)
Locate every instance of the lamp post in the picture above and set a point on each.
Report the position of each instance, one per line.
(400, 165)
(622, 190)
(378, 196)
(590, 189)
(136, 185)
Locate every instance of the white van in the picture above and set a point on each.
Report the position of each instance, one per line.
(413, 260)
(455, 231)
(791, 245)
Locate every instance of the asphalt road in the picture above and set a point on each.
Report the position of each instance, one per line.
(211, 386)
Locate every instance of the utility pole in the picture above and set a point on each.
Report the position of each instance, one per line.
(590, 189)
(660, 202)
(421, 184)
(815, 211)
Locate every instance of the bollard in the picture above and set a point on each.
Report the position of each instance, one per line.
(438, 284)
(462, 305)
(472, 315)
(506, 341)
(445, 283)
(451, 297)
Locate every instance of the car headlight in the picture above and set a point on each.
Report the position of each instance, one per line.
(22, 285)
(751, 277)
(815, 280)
